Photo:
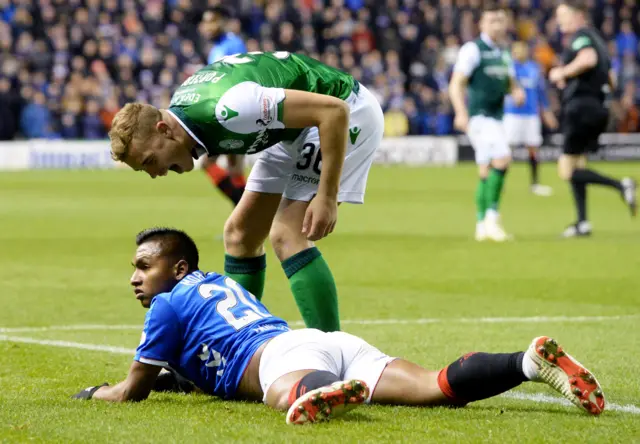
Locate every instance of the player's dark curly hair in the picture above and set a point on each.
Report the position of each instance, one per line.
(175, 244)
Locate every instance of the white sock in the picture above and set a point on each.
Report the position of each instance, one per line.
(492, 215)
(529, 368)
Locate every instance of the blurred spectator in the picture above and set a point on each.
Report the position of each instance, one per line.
(67, 66)
(627, 40)
(630, 118)
(9, 109)
(92, 125)
(396, 123)
(35, 121)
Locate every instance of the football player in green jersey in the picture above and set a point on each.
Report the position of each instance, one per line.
(484, 69)
(318, 130)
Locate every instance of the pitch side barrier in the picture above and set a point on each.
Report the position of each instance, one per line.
(78, 154)
(410, 150)
(616, 147)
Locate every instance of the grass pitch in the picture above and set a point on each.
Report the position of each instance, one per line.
(411, 281)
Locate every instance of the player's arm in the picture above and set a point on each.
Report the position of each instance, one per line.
(586, 58)
(548, 117)
(468, 60)
(136, 387)
(331, 116)
(515, 89)
(613, 80)
(457, 93)
(160, 344)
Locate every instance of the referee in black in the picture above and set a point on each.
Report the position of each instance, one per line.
(585, 80)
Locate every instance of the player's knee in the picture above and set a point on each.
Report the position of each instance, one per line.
(238, 241)
(565, 171)
(286, 242)
(502, 163)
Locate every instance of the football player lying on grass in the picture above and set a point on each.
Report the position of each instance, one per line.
(215, 336)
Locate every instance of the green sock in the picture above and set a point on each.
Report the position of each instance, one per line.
(481, 201)
(248, 272)
(495, 183)
(314, 289)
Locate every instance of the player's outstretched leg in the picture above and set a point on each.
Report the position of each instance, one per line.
(566, 375)
(477, 376)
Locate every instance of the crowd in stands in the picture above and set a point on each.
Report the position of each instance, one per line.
(67, 66)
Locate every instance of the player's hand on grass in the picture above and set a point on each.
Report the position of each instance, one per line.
(320, 217)
(170, 381)
(461, 121)
(89, 392)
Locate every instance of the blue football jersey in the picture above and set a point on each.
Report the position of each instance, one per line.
(207, 329)
(531, 79)
(228, 44)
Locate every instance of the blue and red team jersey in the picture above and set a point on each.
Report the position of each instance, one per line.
(227, 44)
(531, 78)
(207, 329)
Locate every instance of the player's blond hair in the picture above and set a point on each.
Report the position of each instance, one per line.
(134, 121)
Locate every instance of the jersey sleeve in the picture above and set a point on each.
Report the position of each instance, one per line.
(248, 108)
(468, 59)
(581, 41)
(161, 337)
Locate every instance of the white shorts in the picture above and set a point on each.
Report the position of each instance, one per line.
(342, 354)
(488, 139)
(523, 130)
(293, 168)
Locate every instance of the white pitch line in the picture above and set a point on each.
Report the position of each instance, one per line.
(485, 320)
(535, 397)
(548, 399)
(79, 327)
(68, 344)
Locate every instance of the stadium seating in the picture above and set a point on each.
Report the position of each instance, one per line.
(66, 66)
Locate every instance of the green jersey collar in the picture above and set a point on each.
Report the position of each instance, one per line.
(200, 149)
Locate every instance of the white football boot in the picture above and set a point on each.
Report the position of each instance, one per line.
(494, 229)
(541, 190)
(481, 232)
(567, 376)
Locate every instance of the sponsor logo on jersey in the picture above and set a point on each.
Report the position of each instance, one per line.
(580, 43)
(227, 113)
(305, 179)
(266, 116)
(261, 139)
(492, 54)
(206, 77)
(499, 71)
(354, 133)
(231, 144)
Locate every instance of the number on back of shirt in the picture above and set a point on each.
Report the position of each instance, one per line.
(233, 294)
